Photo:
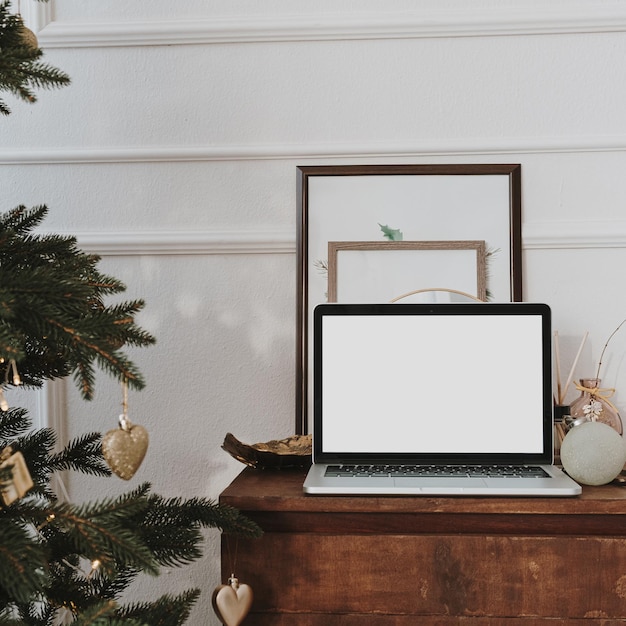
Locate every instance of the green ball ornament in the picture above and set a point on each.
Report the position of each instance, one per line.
(593, 453)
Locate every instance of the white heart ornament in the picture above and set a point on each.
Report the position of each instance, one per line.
(232, 602)
(125, 448)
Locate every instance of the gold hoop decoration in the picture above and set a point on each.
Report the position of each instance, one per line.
(438, 290)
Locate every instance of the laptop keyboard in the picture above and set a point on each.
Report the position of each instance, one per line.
(429, 471)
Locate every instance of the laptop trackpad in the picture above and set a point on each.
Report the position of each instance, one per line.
(439, 483)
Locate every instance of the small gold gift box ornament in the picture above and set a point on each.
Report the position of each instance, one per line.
(20, 481)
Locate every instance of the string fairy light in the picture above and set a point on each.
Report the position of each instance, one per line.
(95, 564)
(16, 375)
(49, 519)
(11, 367)
(4, 405)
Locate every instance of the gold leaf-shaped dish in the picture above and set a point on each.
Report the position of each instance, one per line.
(294, 451)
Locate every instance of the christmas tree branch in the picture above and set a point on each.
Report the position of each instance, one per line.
(166, 611)
(20, 65)
(100, 534)
(23, 564)
(53, 321)
(119, 365)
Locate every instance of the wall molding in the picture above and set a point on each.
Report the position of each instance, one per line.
(287, 151)
(37, 15)
(549, 19)
(279, 241)
(535, 236)
(574, 234)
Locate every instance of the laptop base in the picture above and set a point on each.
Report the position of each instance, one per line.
(556, 484)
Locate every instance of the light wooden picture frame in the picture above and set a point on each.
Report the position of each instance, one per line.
(381, 271)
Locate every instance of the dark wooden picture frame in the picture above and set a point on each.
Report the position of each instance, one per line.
(442, 202)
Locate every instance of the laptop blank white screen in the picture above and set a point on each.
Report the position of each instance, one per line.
(441, 384)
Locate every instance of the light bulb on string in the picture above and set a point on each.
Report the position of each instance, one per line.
(16, 375)
(49, 519)
(95, 566)
(12, 366)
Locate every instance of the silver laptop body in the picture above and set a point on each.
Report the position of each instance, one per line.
(434, 399)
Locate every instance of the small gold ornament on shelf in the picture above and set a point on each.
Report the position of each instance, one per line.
(232, 602)
(294, 451)
(125, 447)
(21, 481)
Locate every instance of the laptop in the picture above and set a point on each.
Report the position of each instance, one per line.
(434, 399)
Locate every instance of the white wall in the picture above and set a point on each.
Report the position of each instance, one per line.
(174, 151)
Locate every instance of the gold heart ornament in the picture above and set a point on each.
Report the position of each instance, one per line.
(232, 602)
(124, 448)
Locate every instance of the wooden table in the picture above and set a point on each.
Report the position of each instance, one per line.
(360, 561)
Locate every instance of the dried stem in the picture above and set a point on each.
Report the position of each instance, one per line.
(605, 346)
